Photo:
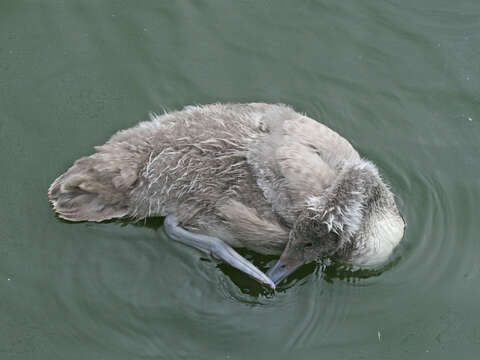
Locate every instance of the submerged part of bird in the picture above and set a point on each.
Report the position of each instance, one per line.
(254, 175)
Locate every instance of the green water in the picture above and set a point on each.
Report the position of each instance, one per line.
(399, 79)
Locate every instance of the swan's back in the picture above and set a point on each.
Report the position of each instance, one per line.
(223, 169)
(163, 159)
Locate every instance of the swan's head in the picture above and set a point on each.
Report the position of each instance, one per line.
(356, 219)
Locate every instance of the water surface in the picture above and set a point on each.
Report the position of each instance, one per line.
(399, 79)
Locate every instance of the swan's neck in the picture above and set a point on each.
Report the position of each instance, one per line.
(360, 208)
(353, 193)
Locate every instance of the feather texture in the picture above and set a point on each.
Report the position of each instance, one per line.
(240, 172)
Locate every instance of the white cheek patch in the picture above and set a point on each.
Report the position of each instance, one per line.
(384, 235)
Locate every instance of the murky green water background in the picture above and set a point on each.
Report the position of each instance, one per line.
(399, 79)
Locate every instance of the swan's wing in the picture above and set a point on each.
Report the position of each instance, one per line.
(304, 171)
(298, 157)
(327, 144)
(309, 155)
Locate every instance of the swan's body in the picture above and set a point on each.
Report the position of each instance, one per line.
(252, 175)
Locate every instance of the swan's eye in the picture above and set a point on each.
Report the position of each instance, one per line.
(310, 244)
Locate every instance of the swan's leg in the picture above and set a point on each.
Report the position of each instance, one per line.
(216, 247)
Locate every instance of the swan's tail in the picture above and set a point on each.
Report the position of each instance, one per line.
(96, 187)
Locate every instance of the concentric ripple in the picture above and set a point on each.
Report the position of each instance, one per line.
(399, 81)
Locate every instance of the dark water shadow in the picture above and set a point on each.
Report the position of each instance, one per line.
(328, 270)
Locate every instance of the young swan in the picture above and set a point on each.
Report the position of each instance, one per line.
(258, 176)
(356, 220)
